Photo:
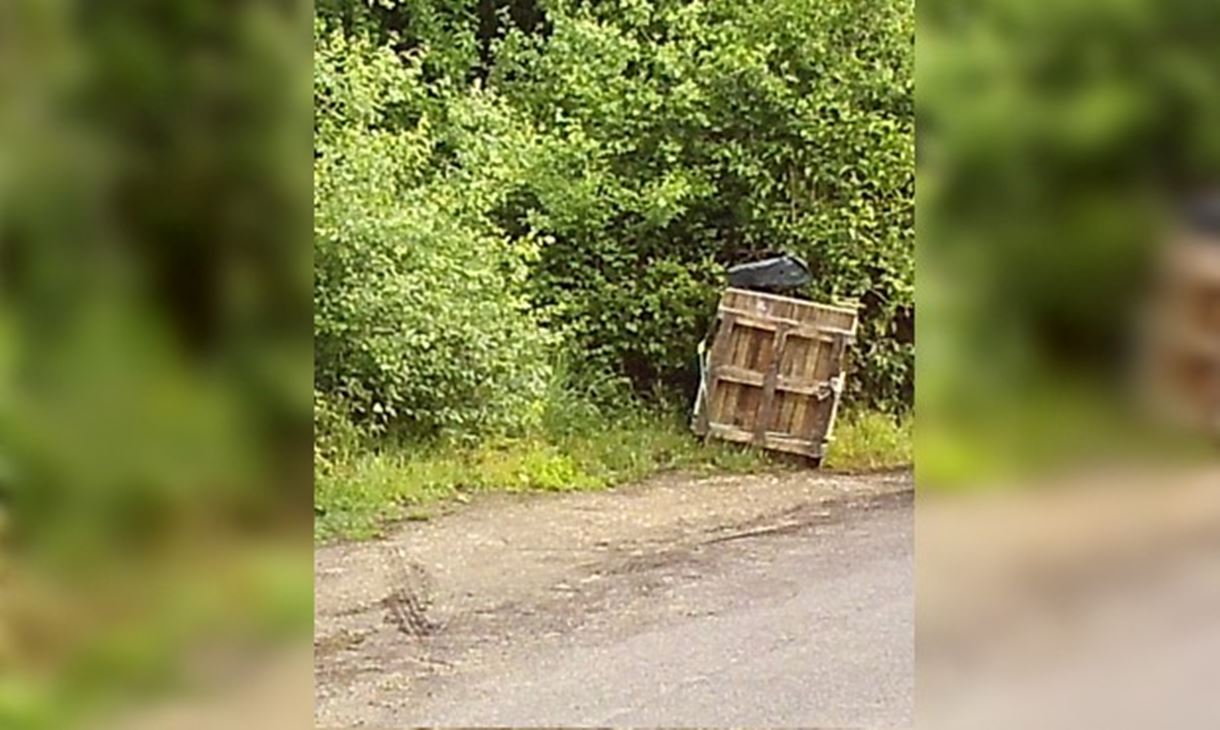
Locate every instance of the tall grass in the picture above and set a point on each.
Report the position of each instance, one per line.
(360, 494)
(584, 442)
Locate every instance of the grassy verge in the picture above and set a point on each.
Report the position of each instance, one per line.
(1053, 427)
(356, 497)
(86, 647)
(866, 440)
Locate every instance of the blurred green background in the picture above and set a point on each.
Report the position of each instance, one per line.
(1054, 142)
(155, 309)
(155, 340)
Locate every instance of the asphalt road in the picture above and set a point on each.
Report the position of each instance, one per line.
(747, 602)
(1086, 600)
(807, 630)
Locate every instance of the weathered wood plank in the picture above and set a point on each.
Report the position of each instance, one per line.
(771, 440)
(771, 375)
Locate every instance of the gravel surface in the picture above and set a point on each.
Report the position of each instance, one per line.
(772, 600)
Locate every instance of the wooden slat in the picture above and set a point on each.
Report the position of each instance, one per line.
(755, 295)
(767, 406)
(777, 307)
(735, 374)
(836, 332)
(730, 433)
(720, 346)
(771, 324)
(809, 388)
(792, 445)
(771, 440)
(756, 379)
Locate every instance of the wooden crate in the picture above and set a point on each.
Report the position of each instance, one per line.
(1186, 337)
(774, 372)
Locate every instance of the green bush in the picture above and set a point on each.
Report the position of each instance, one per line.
(1054, 139)
(420, 319)
(501, 185)
(677, 138)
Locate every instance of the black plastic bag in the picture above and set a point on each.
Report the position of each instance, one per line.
(778, 274)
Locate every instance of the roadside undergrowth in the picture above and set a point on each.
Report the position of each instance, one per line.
(360, 493)
(868, 440)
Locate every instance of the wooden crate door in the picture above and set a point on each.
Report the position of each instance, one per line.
(765, 418)
(743, 350)
(775, 371)
(744, 378)
(773, 383)
(809, 384)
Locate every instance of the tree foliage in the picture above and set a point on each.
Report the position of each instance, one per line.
(1055, 141)
(419, 312)
(503, 169)
(1050, 134)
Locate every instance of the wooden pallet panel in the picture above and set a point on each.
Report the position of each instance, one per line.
(775, 371)
(1185, 345)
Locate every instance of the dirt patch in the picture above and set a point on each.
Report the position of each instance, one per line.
(462, 587)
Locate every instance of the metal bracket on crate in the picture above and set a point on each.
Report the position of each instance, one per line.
(838, 384)
(827, 388)
(701, 394)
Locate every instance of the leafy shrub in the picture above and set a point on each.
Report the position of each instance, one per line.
(493, 180)
(1052, 137)
(420, 318)
(676, 138)
(871, 440)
